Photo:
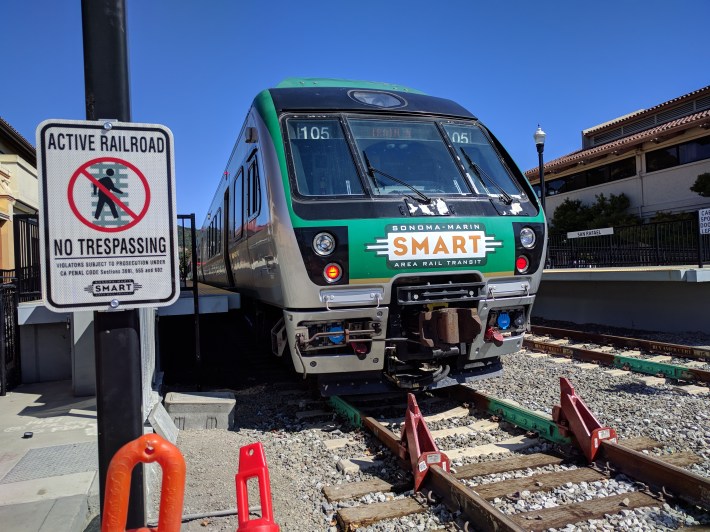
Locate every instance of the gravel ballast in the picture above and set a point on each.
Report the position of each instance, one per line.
(300, 464)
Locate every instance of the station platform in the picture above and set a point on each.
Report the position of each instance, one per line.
(49, 480)
(210, 300)
(654, 298)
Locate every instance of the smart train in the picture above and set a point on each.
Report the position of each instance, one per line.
(380, 238)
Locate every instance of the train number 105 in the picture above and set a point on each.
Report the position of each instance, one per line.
(314, 132)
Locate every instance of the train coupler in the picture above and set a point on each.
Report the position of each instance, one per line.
(576, 420)
(418, 443)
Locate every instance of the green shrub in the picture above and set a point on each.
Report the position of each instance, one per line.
(702, 185)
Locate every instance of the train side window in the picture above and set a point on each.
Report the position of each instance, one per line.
(210, 230)
(215, 236)
(218, 239)
(254, 195)
(238, 205)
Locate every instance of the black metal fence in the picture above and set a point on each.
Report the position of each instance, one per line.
(27, 259)
(10, 372)
(653, 244)
(27, 281)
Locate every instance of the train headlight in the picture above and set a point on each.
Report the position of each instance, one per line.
(324, 244)
(527, 238)
(332, 272)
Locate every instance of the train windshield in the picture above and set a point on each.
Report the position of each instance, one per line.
(483, 162)
(405, 156)
(321, 158)
(401, 157)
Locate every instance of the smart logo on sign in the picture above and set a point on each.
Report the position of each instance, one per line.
(123, 287)
(435, 245)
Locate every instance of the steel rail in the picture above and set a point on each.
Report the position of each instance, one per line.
(639, 365)
(665, 478)
(442, 484)
(682, 351)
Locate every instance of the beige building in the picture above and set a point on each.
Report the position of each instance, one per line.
(19, 191)
(653, 156)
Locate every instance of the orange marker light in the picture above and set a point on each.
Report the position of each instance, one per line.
(332, 272)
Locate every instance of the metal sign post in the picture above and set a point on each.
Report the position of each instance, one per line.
(119, 420)
(108, 230)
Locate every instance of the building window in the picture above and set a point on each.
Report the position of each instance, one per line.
(592, 177)
(687, 152)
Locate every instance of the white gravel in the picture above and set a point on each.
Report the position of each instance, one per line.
(300, 464)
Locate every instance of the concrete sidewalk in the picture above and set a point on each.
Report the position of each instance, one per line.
(49, 480)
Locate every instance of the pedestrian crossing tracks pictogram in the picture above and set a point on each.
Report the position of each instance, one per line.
(109, 194)
(108, 225)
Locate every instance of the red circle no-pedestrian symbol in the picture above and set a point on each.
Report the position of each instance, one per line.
(108, 194)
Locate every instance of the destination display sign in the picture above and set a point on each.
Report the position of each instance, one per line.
(108, 225)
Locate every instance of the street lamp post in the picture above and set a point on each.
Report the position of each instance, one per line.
(539, 137)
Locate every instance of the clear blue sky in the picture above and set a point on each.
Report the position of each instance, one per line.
(195, 66)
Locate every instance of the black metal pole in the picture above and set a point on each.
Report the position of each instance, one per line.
(540, 148)
(195, 300)
(105, 60)
(119, 401)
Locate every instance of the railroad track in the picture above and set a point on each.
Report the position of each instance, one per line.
(469, 493)
(673, 361)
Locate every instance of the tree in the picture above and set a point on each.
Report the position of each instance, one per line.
(702, 185)
(612, 212)
(572, 215)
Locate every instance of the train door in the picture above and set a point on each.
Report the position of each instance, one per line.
(238, 252)
(259, 230)
(227, 233)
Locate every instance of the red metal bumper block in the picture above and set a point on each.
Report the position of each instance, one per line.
(576, 420)
(252, 464)
(418, 443)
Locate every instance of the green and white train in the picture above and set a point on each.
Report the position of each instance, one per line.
(379, 237)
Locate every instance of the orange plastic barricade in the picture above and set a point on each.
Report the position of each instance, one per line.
(252, 464)
(148, 448)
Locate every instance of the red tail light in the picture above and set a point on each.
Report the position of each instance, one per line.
(522, 263)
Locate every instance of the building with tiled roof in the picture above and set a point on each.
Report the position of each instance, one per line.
(653, 156)
(19, 191)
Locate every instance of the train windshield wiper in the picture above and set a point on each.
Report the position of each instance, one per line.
(371, 170)
(480, 173)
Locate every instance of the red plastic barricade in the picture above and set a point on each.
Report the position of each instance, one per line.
(147, 449)
(252, 464)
